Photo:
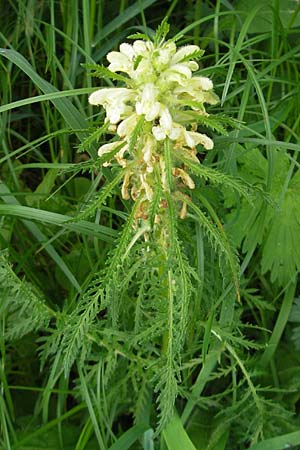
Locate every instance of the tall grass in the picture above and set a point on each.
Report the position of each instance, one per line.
(97, 350)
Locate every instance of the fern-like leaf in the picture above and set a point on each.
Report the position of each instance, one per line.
(101, 197)
(93, 137)
(161, 32)
(219, 178)
(167, 376)
(196, 55)
(23, 307)
(217, 239)
(100, 71)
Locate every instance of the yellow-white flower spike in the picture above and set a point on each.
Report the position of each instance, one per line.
(160, 102)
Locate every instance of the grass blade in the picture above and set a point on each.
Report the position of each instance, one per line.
(129, 437)
(176, 437)
(9, 199)
(121, 19)
(91, 229)
(285, 441)
(70, 114)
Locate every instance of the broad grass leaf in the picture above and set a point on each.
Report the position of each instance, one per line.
(129, 437)
(286, 441)
(176, 437)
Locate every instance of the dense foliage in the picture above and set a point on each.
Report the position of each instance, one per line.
(169, 321)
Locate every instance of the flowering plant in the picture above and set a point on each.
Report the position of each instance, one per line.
(155, 118)
(154, 115)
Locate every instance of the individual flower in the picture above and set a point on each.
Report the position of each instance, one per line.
(115, 101)
(148, 104)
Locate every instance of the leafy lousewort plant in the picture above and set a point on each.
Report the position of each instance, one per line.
(154, 114)
(127, 331)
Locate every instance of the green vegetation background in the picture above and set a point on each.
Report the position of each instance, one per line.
(73, 375)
